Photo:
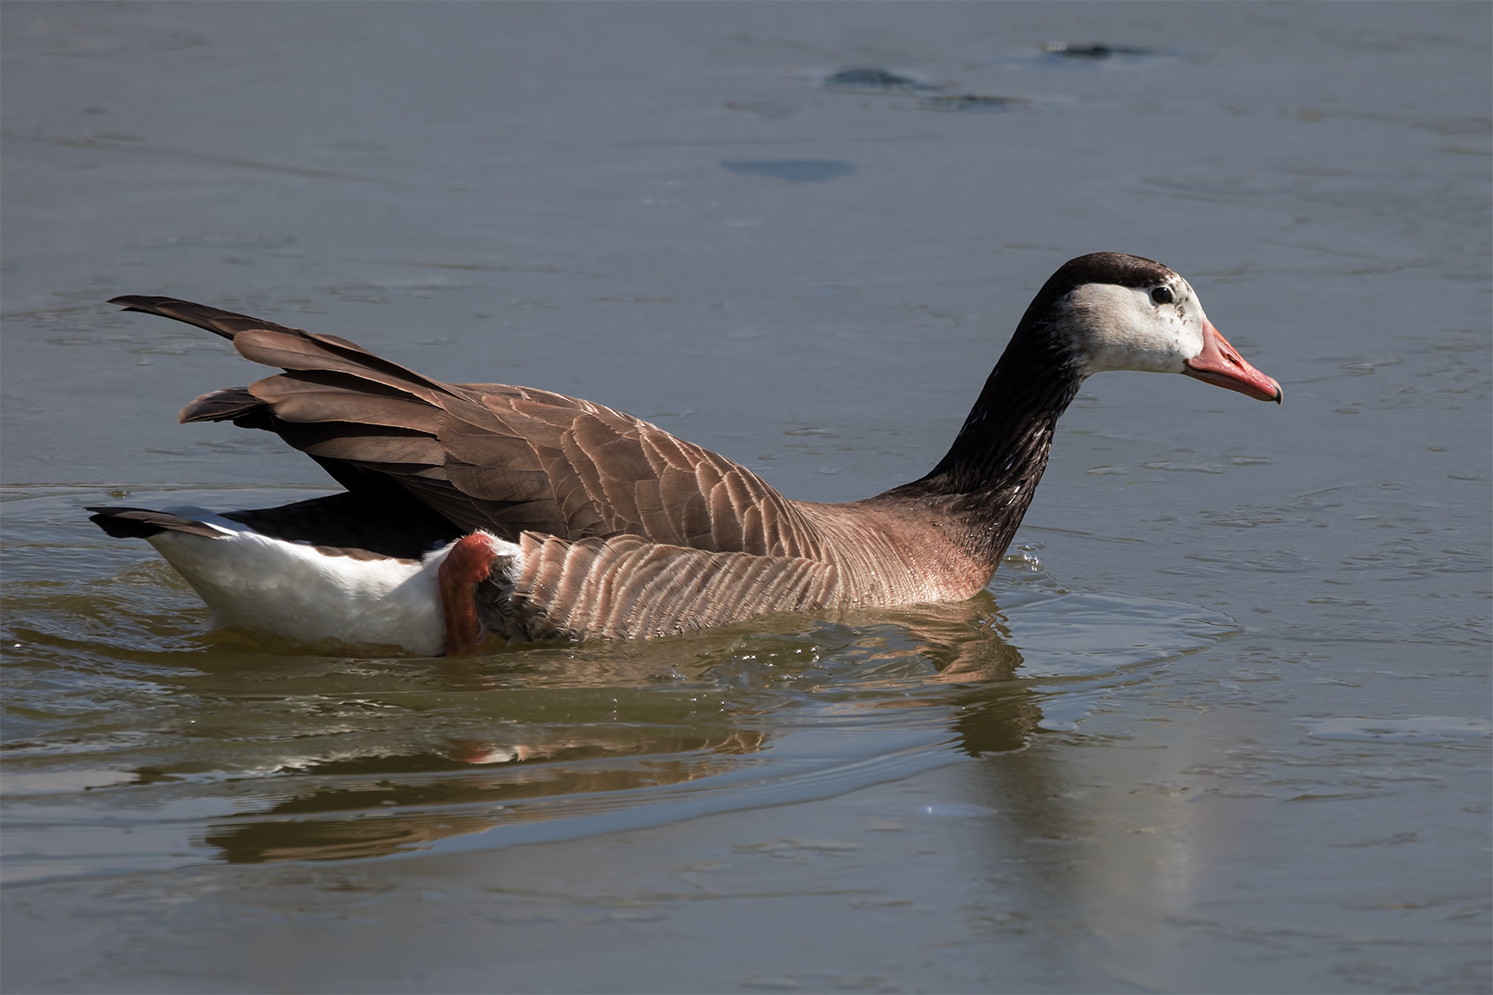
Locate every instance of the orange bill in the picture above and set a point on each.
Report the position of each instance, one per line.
(1221, 365)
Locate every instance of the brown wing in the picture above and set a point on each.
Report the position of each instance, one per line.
(506, 459)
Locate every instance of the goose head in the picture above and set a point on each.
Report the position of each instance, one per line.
(1111, 311)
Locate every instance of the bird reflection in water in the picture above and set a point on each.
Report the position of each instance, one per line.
(947, 670)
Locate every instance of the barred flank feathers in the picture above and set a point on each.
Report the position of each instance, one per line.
(627, 587)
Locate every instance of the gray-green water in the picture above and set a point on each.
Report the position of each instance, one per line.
(1221, 723)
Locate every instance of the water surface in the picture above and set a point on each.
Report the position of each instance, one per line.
(1221, 722)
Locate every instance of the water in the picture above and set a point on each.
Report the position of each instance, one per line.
(1219, 724)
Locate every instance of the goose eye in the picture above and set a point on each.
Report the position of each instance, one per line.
(1162, 295)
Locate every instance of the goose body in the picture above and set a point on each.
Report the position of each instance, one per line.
(477, 509)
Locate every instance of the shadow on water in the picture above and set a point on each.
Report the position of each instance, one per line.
(134, 739)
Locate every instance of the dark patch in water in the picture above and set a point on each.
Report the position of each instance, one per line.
(1094, 52)
(970, 102)
(879, 80)
(793, 170)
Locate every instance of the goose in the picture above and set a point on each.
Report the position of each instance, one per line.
(479, 510)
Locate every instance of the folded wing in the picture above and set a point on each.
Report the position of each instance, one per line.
(488, 456)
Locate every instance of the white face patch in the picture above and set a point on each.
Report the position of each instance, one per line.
(1123, 328)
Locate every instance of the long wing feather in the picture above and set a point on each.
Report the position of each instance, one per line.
(507, 459)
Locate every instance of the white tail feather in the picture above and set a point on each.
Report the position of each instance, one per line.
(300, 593)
